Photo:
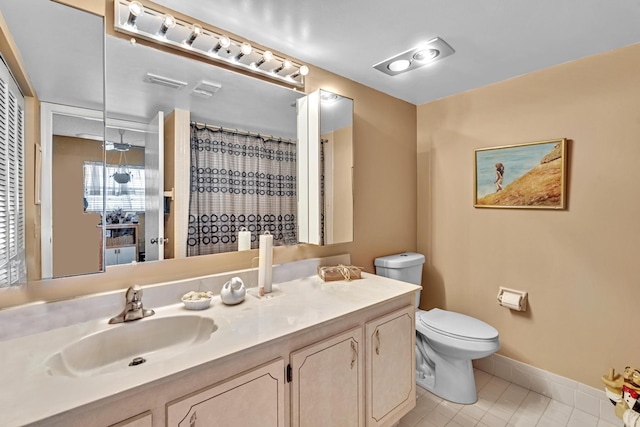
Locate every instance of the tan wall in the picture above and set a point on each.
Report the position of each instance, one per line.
(384, 204)
(580, 265)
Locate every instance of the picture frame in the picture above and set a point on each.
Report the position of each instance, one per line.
(522, 176)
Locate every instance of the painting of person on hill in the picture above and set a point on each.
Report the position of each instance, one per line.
(535, 176)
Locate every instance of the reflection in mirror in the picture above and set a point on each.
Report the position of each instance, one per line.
(237, 132)
(75, 223)
(64, 61)
(336, 160)
(325, 175)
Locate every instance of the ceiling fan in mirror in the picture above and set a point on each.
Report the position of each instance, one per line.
(121, 176)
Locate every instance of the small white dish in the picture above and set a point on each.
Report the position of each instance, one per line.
(197, 300)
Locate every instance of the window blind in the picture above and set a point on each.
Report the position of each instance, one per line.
(129, 197)
(13, 269)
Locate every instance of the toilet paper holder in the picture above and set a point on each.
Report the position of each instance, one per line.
(512, 299)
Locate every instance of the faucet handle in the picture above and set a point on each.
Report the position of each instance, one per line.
(134, 293)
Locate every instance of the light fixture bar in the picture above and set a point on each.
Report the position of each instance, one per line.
(131, 18)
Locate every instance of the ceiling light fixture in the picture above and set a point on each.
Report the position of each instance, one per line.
(167, 23)
(266, 57)
(302, 71)
(245, 49)
(285, 64)
(428, 53)
(196, 30)
(131, 18)
(135, 10)
(223, 42)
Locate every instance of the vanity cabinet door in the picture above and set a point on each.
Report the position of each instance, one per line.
(390, 373)
(327, 383)
(111, 256)
(252, 399)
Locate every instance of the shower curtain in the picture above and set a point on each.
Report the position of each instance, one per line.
(240, 181)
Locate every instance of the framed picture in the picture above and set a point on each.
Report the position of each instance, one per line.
(526, 176)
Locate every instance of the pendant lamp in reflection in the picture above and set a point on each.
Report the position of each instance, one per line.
(122, 176)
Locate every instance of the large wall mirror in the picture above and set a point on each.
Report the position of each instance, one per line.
(110, 201)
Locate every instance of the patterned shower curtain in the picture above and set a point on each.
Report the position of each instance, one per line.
(238, 181)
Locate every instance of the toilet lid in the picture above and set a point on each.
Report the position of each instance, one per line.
(457, 325)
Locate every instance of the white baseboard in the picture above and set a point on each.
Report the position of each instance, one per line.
(580, 396)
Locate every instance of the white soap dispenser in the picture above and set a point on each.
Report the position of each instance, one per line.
(233, 292)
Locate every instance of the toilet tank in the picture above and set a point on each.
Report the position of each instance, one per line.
(406, 267)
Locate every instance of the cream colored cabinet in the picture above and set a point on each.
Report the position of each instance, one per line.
(390, 372)
(252, 399)
(121, 244)
(327, 382)
(142, 420)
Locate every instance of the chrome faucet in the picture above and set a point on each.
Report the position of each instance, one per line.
(133, 309)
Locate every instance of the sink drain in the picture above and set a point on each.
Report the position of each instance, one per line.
(137, 361)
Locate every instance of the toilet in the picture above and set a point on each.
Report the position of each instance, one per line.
(446, 342)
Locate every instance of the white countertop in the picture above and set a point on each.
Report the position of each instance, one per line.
(29, 394)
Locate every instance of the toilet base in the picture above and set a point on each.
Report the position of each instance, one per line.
(453, 381)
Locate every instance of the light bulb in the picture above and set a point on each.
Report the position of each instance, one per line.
(135, 10)
(285, 64)
(426, 55)
(304, 70)
(399, 65)
(245, 48)
(168, 22)
(224, 41)
(266, 56)
(196, 30)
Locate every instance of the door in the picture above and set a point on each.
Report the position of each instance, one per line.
(391, 383)
(327, 383)
(252, 399)
(154, 189)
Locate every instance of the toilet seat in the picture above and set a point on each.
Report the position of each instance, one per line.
(456, 325)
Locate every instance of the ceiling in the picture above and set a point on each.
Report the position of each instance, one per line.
(494, 40)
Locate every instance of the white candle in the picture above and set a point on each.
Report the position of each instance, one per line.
(265, 262)
(244, 240)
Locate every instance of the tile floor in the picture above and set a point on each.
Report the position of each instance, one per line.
(500, 404)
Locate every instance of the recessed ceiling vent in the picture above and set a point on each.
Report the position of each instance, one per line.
(206, 89)
(164, 81)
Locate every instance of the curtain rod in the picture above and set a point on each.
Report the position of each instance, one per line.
(243, 132)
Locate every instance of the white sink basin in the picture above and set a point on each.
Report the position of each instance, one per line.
(115, 348)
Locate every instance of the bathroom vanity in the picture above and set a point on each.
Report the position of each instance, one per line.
(312, 353)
